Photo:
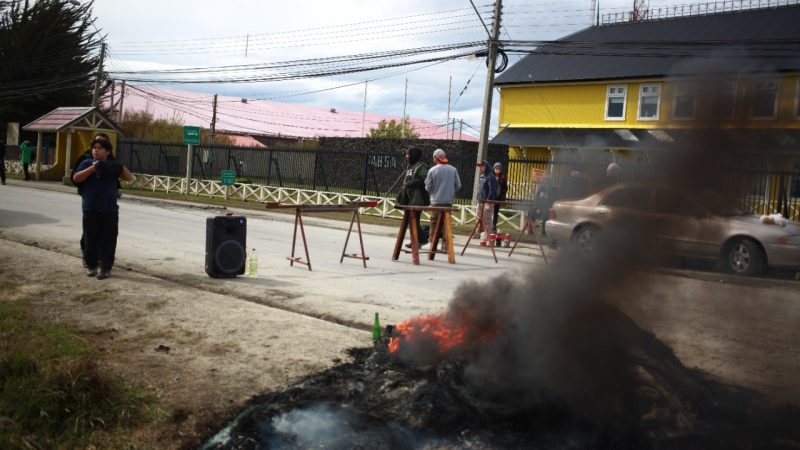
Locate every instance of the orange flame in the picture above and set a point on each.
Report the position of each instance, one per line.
(447, 337)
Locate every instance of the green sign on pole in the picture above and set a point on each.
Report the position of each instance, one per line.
(227, 177)
(191, 135)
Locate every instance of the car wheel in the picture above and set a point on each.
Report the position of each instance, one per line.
(584, 237)
(743, 257)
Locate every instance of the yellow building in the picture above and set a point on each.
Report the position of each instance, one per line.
(624, 91)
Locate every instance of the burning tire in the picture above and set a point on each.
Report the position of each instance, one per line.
(743, 257)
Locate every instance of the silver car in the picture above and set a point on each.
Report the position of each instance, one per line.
(697, 225)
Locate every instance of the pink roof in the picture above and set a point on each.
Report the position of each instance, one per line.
(244, 141)
(265, 117)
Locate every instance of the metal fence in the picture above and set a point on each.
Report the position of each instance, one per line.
(362, 172)
(757, 191)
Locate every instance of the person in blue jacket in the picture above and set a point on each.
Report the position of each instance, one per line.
(100, 210)
(487, 190)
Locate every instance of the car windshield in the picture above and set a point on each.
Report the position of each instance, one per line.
(718, 205)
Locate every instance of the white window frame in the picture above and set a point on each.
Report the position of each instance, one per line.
(692, 91)
(755, 87)
(624, 96)
(735, 87)
(642, 88)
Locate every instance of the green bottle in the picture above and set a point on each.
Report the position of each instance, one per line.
(376, 329)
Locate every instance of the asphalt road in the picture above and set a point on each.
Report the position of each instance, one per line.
(744, 331)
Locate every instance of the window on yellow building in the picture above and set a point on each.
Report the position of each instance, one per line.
(615, 102)
(723, 103)
(649, 100)
(683, 102)
(765, 98)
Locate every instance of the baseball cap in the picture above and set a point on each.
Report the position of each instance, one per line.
(440, 155)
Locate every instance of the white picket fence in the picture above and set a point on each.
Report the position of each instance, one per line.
(464, 215)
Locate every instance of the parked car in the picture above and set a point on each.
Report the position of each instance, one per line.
(695, 225)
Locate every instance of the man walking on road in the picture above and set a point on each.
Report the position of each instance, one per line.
(25, 153)
(442, 183)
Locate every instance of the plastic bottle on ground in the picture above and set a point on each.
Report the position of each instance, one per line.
(252, 266)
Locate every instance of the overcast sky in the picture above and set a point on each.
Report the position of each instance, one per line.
(166, 34)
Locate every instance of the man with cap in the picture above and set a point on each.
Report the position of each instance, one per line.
(487, 190)
(442, 183)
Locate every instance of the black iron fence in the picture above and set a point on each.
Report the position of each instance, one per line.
(373, 170)
(756, 191)
(362, 171)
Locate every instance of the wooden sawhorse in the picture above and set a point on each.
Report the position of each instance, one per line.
(530, 223)
(479, 225)
(298, 223)
(442, 225)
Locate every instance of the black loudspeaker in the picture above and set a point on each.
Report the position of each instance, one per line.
(226, 244)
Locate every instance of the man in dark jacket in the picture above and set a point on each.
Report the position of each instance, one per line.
(576, 185)
(414, 184)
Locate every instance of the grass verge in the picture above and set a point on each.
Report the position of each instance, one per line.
(53, 394)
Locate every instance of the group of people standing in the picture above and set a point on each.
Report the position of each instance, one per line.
(437, 186)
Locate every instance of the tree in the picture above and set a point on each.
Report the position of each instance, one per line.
(50, 52)
(143, 126)
(394, 130)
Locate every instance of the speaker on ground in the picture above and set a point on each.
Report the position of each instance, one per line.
(226, 244)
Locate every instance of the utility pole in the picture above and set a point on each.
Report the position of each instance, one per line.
(403, 125)
(449, 95)
(111, 109)
(364, 113)
(460, 128)
(246, 45)
(487, 98)
(214, 120)
(99, 75)
(121, 101)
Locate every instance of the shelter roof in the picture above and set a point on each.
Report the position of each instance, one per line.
(80, 117)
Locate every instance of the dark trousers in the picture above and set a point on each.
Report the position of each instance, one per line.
(2, 170)
(434, 218)
(422, 234)
(100, 231)
(25, 167)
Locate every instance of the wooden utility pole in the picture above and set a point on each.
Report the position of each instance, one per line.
(99, 75)
(364, 113)
(214, 120)
(449, 96)
(403, 125)
(487, 98)
(121, 101)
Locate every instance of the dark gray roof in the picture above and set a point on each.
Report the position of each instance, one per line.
(765, 140)
(765, 40)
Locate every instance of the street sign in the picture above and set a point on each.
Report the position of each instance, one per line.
(227, 177)
(191, 135)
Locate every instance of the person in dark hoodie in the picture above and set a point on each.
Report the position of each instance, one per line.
(414, 184)
(487, 190)
(502, 191)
